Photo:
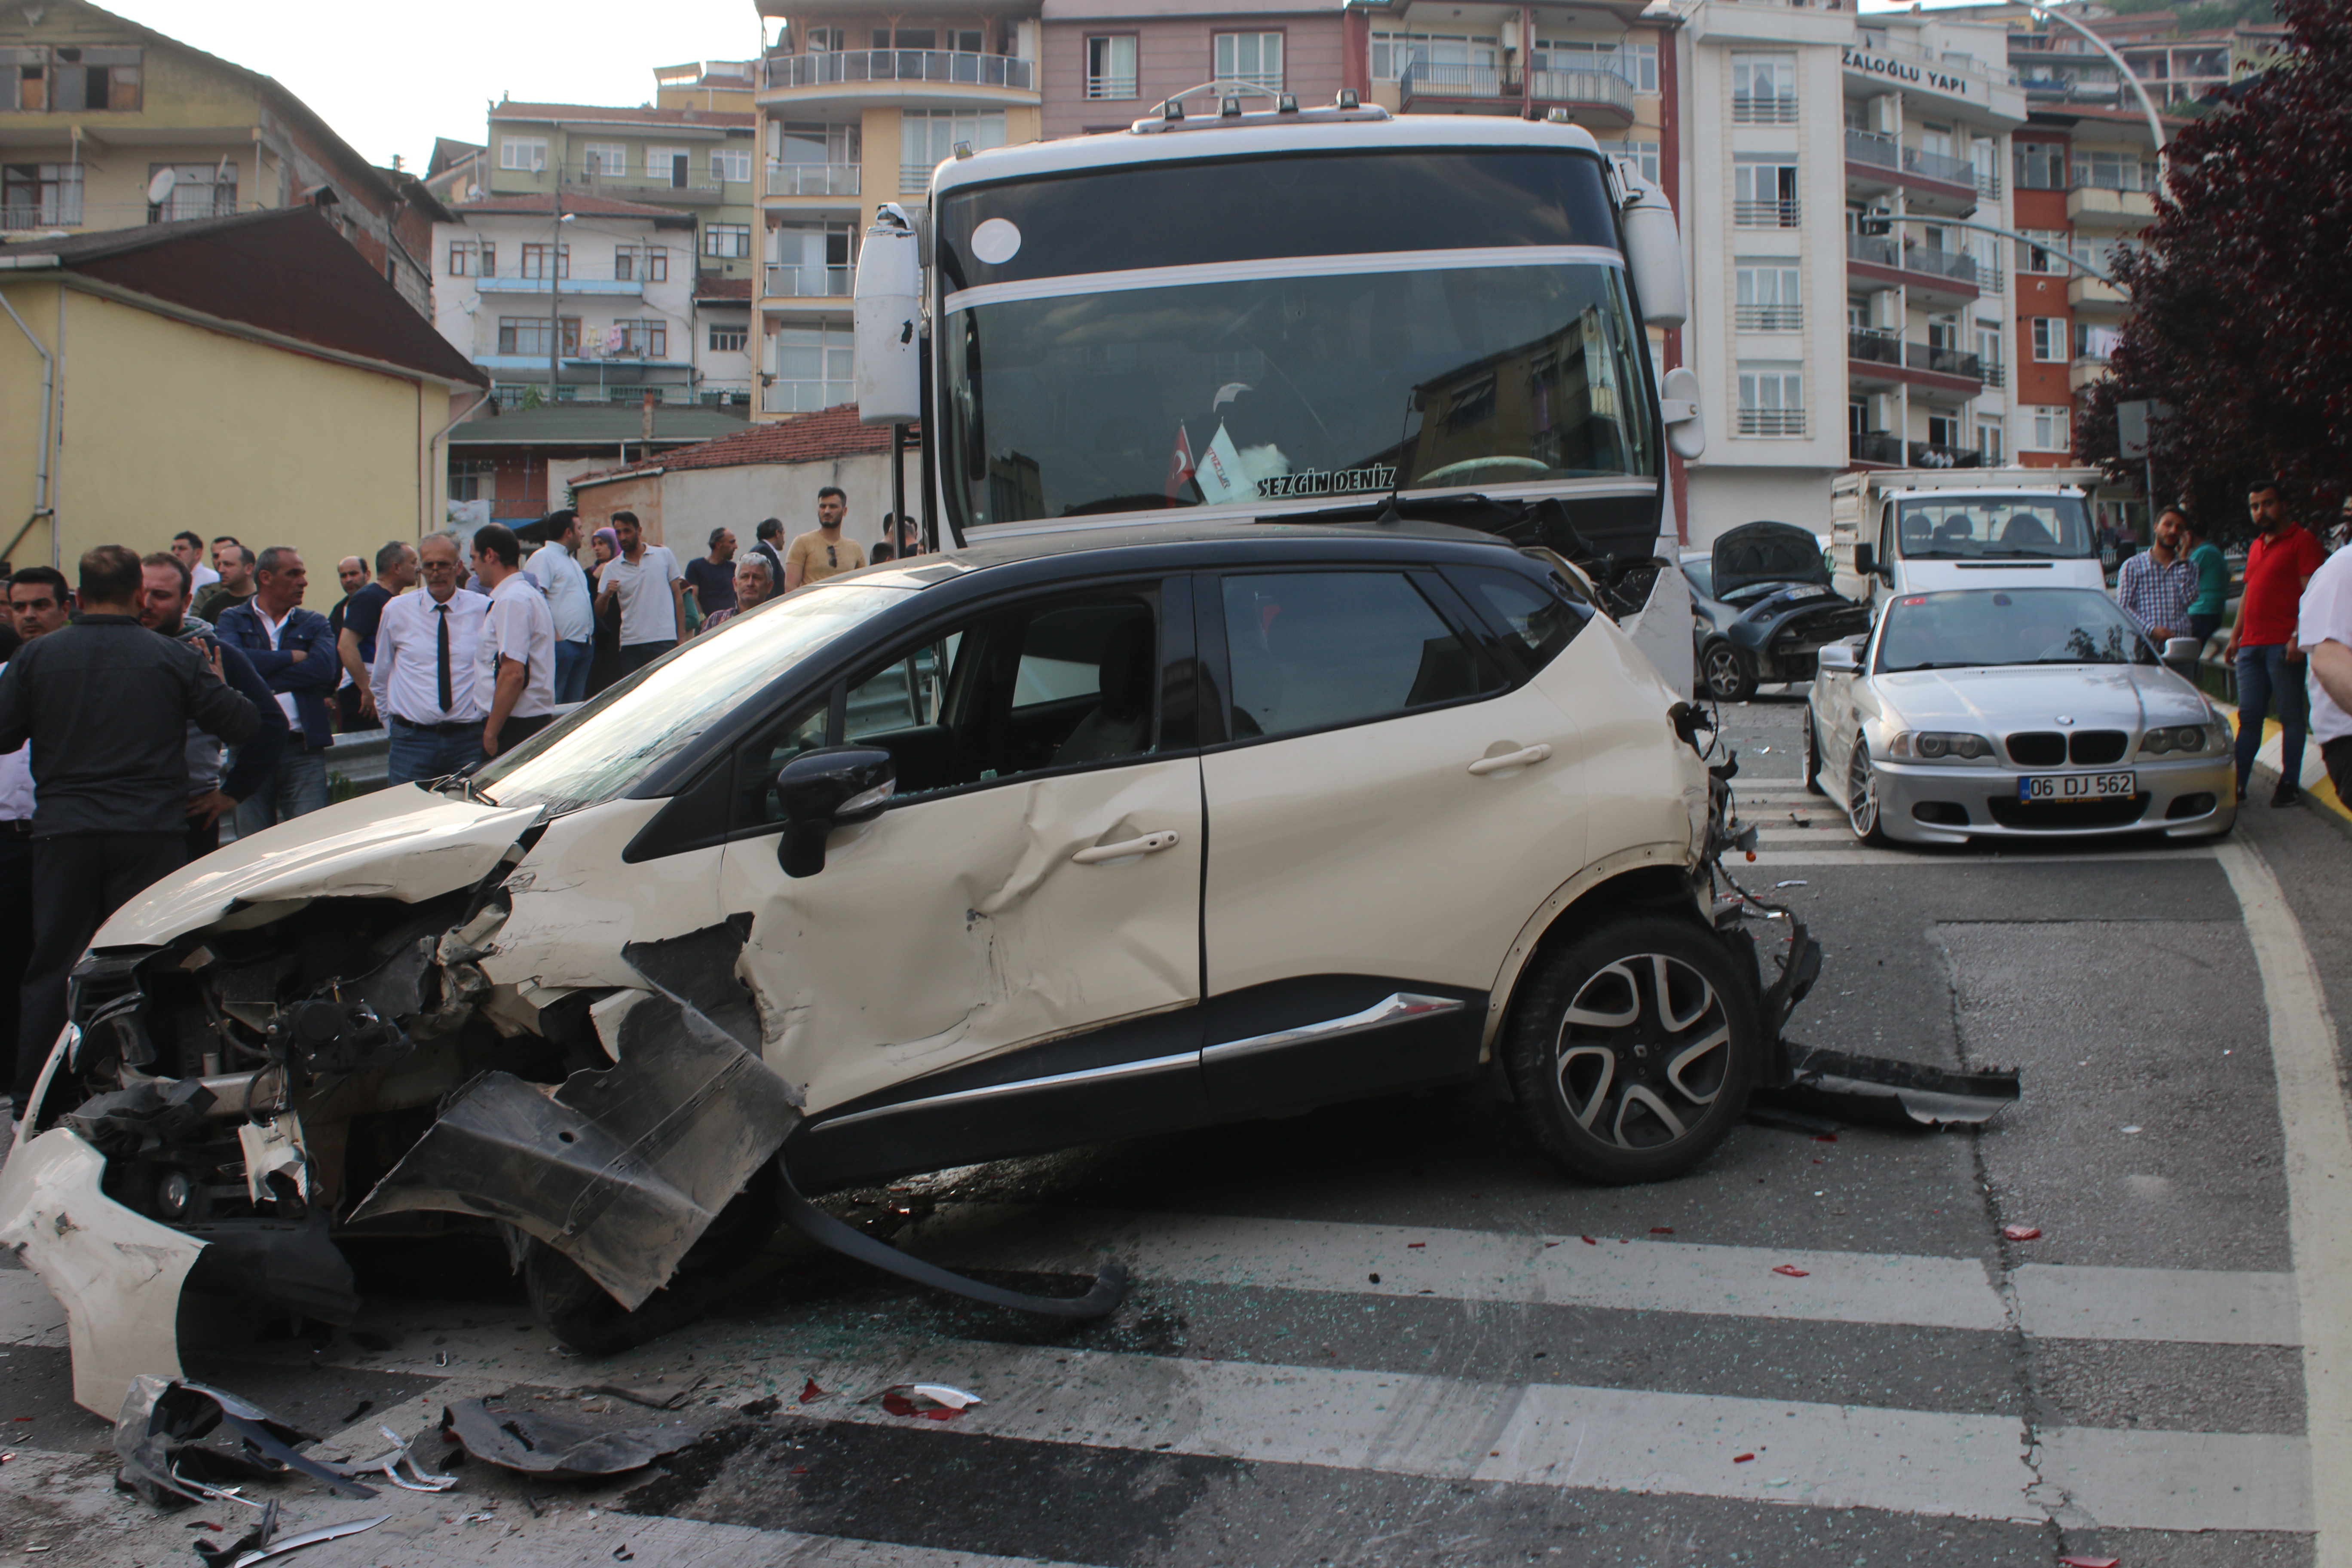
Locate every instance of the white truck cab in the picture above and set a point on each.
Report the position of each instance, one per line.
(1919, 531)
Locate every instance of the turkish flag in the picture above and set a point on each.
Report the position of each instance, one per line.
(1180, 465)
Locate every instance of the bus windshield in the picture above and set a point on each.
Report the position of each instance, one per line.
(1331, 349)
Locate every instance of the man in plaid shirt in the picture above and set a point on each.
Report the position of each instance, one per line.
(2157, 584)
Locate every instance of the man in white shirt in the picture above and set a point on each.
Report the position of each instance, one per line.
(514, 664)
(189, 546)
(555, 567)
(423, 676)
(644, 579)
(2324, 629)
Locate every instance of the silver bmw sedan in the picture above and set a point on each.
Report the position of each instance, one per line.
(2014, 713)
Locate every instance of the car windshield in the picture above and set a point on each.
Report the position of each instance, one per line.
(1984, 627)
(1996, 528)
(606, 746)
(1308, 328)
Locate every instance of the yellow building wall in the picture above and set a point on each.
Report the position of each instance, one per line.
(165, 426)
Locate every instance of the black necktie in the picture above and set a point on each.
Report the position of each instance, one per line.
(446, 702)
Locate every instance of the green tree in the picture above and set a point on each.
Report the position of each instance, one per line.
(2240, 317)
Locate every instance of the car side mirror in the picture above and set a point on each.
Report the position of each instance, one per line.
(1838, 657)
(1865, 560)
(2182, 650)
(830, 787)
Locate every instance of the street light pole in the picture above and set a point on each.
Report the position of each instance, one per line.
(2155, 121)
(555, 291)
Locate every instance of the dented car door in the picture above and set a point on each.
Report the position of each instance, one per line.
(1025, 910)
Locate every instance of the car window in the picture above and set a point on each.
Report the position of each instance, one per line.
(905, 692)
(764, 756)
(1313, 649)
(1537, 624)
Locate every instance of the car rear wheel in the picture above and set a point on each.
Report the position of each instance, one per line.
(1812, 757)
(1862, 794)
(1632, 1049)
(1725, 673)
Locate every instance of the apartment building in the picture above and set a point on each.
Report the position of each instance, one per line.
(598, 298)
(1840, 315)
(106, 124)
(1110, 62)
(700, 163)
(858, 102)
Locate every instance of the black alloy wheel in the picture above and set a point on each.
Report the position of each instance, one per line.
(1727, 675)
(1632, 1049)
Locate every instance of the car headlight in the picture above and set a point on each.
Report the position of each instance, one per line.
(1939, 745)
(2185, 738)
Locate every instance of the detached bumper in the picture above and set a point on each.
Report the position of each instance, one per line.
(1920, 803)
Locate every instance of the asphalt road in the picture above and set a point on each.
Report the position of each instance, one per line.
(1389, 1333)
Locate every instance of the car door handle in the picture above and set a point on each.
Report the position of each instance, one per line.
(1521, 758)
(1128, 848)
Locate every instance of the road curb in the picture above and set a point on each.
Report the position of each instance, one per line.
(2318, 792)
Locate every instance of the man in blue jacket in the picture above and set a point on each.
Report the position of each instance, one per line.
(294, 651)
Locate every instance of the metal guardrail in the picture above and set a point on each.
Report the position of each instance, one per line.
(363, 758)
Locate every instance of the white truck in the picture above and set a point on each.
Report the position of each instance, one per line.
(1300, 315)
(1909, 531)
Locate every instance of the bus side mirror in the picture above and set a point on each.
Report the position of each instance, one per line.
(888, 332)
(1678, 410)
(1654, 255)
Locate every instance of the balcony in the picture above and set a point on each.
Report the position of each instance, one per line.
(1936, 276)
(1931, 455)
(1931, 182)
(1874, 446)
(805, 282)
(536, 283)
(1868, 347)
(1878, 358)
(1939, 361)
(1769, 421)
(1592, 93)
(1994, 376)
(1762, 109)
(812, 179)
(1768, 318)
(2106, 208)
(1785, 213)
(914, 179)
(2086, 370)
(2087, 292)
(854, 68)
(656, 193)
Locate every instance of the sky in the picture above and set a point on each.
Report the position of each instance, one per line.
(390, 78)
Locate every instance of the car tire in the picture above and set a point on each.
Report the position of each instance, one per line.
(585, 1319)
(1862, 794)
(1727, 675)
(1812, 756)
(1632, 1049)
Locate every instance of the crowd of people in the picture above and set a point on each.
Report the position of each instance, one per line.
(151, 696)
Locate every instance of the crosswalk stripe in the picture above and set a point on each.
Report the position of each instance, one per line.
(2054, 1300)
(1564, 1436)
(2033, 856)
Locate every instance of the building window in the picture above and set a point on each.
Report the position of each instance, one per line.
(40, 195)
(472, 478)
(1465, 58)
(646, 264)
(1110, 67)
(1988, 355)
(70, 77)
(2111, 171)
(1764, 192)
(1769, 297)
(1643, 155)
(2049, 428)
(1251, 59)
(2041, 166)
(536, 262)
(728, 340)
(928, 136)
(1763, 90)
(809, 260)
(1636, 65)
(1944, 430)
(527, 336)
(727, 239)
(1989, 443)
(2046, 251)
(1772, 400)
(638, 339)
(2050, 338)
(810, 143)
(198, 190)
(731, 163)
(522, 152)
(465, 258)
(605, 158)
(813, 368)
(671, 166)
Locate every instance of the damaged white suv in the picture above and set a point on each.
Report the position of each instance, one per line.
(1112, 834)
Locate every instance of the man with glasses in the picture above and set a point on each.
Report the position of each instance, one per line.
(425, 648)
(822, 552)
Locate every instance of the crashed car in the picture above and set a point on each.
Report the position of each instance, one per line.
(1095, 834)
(1761, 607)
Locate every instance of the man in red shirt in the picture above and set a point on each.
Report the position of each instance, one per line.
(2270, 664)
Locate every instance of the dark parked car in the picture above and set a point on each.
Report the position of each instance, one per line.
(1761, 607)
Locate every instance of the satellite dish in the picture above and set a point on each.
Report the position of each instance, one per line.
(160, 188)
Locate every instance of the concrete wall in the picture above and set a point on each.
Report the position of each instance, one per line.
(679, 510)
(163, 426)
(1721, 498)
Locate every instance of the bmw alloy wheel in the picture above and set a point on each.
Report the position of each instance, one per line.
(1861, 794)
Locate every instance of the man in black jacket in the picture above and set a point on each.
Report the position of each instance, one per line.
(164, 607)
(106, 705)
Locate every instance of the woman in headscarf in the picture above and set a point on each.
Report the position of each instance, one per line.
(605, 664)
